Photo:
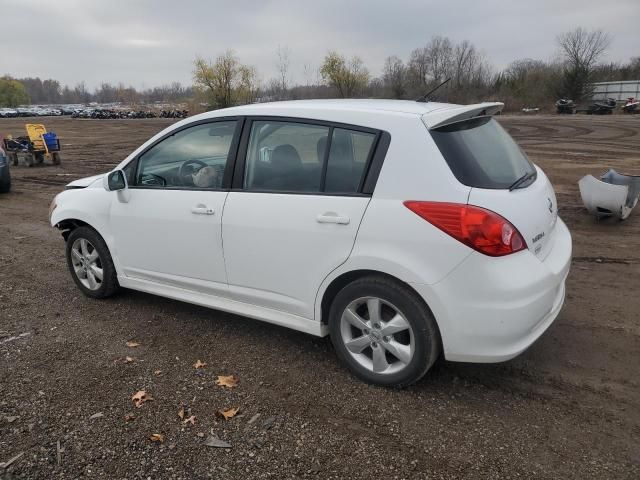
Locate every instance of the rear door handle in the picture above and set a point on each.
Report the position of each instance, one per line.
(202, 210)
(332, 217)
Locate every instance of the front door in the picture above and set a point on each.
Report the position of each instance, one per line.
(167, 229)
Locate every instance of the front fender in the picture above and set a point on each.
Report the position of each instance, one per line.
(88, 205)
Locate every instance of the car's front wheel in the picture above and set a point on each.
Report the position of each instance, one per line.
(383, 332)
(90, 263)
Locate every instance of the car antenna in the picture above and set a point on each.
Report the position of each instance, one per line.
(425, 97)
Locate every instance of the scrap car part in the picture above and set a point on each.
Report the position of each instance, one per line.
(614, 195)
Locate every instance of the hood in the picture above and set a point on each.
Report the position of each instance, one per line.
(84, 182)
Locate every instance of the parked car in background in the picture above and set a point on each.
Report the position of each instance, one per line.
(8, 113)
(404, 230)
(5, 173)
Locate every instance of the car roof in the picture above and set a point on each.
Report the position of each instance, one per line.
(295, 107)
(433, 114)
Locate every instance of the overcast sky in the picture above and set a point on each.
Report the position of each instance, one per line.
(145, 43)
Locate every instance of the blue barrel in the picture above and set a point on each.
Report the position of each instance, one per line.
(51, 139)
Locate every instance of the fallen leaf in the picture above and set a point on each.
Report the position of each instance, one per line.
(181, 413)
(157, 372)
(157, 437)
(199, 364)
(227, 413)
(129, 418)
(96, 415)
(230, 381)
(132, 344)
(213, 441)
(129, 360)
(191, 420)
(141, 397)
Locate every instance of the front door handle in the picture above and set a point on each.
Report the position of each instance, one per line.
(332, 217)
(202, 210)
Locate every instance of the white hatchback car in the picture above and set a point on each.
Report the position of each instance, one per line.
(405, 230)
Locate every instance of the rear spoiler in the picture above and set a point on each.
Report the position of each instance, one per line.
(444, 116)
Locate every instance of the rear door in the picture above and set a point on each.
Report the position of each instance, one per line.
(482, 155)
(294, 215)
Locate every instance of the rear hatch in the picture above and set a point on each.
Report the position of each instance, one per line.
(483, 156)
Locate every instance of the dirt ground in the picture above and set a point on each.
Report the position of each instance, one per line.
(567, 408)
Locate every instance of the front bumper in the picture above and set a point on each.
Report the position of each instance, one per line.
(492, 309)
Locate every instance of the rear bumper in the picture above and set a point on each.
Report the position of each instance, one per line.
(492, 309)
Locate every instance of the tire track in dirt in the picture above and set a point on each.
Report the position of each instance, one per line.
(550, 132)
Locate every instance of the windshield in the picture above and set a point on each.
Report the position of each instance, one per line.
(481, 154)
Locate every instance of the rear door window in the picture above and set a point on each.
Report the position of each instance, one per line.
(481, 154)
(285, 156)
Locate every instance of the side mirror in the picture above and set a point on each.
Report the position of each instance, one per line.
(114, 181)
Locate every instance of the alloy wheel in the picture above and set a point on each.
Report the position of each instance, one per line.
(87, 264)
(377, 335)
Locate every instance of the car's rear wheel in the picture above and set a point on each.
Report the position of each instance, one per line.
(90, 263)
(383, 332)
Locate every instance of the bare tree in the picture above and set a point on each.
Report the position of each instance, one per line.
(581, 49)
(418, 68)
(440, 54)
(282, 65)
(464, 63)
(394, 76)
(308, 73)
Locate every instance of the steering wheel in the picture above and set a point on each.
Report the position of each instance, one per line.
(185, 176)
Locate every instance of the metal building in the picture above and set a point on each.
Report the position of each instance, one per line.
(618, 90)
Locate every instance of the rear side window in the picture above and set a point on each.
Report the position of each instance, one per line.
(482, 154)
(283, 156)
(347, 160)
(287, 156)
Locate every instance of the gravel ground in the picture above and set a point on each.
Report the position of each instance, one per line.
(567, 408)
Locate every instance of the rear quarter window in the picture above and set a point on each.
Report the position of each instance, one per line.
(481, 154)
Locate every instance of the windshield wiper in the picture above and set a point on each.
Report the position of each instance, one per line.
(521, 180)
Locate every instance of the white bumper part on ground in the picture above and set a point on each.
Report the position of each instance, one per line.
(493, 321)
(615, 195)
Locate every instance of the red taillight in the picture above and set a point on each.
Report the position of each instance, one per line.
(482, 230)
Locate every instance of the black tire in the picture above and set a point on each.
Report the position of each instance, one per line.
(427, 343)
(14, 158)
(30, 159)
(109, 284)
(5, 184)
(39, 158)
(55, 158)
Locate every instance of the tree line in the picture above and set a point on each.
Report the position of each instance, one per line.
(526, 82)
(226, 81)
(20, 91)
